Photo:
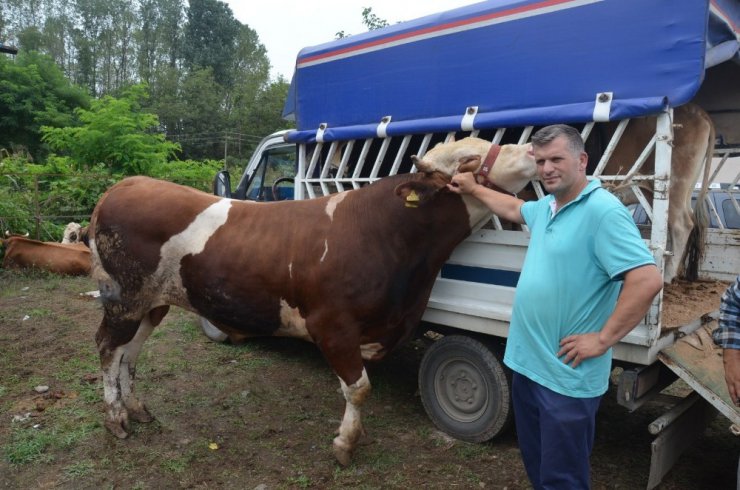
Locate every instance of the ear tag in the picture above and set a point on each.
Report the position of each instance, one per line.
(412, 200)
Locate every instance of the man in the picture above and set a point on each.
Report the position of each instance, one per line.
(587, 280)
(727, 336)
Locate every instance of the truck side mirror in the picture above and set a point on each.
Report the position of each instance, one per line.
(222, 184)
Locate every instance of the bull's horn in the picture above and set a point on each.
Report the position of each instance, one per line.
(421, 164)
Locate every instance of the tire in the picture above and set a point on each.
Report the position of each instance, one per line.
(465, 389)
(211, 331)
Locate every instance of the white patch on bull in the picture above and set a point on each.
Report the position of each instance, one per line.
(290, 270)
(326, 250)
(111, 374)
(334, 201)
(190, 241)
(371, 352)
(292, 324)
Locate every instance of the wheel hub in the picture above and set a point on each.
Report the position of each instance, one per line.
(462, 392)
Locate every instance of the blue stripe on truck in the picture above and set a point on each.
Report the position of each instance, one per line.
(480, 274)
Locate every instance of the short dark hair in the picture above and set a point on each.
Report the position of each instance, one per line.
(547, 134)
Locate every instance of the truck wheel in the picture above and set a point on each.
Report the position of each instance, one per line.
(211, 331)
(465, 389)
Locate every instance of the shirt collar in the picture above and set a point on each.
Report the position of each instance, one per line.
(592, 184)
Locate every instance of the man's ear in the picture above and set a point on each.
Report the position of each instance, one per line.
(468, 163)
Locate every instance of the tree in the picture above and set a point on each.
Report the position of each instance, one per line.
(34, 92)
(369, 19)
(266, 114)
(116, 133)
(210, 39)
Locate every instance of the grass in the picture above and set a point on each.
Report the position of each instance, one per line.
(178, 464)
(272, 412)
(27, 445)
(301, 481)
(79, 469)
(470, 451)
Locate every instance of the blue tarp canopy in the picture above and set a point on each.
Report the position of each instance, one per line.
(520, 62)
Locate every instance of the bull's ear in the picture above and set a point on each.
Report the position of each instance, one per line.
(468, 163)
(415, 193)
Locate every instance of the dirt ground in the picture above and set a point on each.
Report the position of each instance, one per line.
(260, 415)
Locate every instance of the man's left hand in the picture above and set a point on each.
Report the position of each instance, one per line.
(576, 348)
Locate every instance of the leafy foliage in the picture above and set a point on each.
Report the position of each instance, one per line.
(193, 173)
(116, 133)
(34, 93)
(210, 39)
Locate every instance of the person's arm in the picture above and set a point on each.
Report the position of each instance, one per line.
(502, 205)
(731, 360)
(640, 287)
(727, 336)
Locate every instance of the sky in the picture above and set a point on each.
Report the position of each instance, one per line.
(286, 26)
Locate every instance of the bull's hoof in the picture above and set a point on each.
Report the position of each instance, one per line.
(342, 453)
(117, 428)
(141, 415)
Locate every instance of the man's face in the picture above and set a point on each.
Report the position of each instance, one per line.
(562, 173)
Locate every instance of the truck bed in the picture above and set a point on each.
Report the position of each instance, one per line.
(684, 301)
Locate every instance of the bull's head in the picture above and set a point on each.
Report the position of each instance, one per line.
(513, 169)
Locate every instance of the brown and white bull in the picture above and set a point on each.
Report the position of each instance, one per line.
(351, 272)
(24, 253)
(693, 145)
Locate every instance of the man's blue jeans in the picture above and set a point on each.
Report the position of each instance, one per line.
(556, 435)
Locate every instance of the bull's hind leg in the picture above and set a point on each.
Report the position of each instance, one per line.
(119, 350)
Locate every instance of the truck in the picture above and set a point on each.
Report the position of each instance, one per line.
(498, 70)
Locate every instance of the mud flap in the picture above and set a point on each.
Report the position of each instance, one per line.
(696, 360)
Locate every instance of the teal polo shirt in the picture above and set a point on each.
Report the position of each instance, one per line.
(570, 281)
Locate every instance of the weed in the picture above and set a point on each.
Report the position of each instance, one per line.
(73, 369)
(79, 469)
(471, 451)
(301, 481)
(383, 459)
(40, 313)
(187, 326)
(176, 465)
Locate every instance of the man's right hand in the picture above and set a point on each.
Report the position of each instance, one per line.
(462, 183)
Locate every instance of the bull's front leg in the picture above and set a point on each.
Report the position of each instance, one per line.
(350, 431)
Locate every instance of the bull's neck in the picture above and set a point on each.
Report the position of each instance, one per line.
(477, 211)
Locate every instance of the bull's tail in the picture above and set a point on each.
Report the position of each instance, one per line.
(85, 235)
(697, 240)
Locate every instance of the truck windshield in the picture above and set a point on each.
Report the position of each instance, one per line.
(276, 163)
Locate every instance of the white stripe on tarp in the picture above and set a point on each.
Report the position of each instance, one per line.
(442, 31)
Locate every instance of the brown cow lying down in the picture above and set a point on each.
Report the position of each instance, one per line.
(22, 253)
(351, 272)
